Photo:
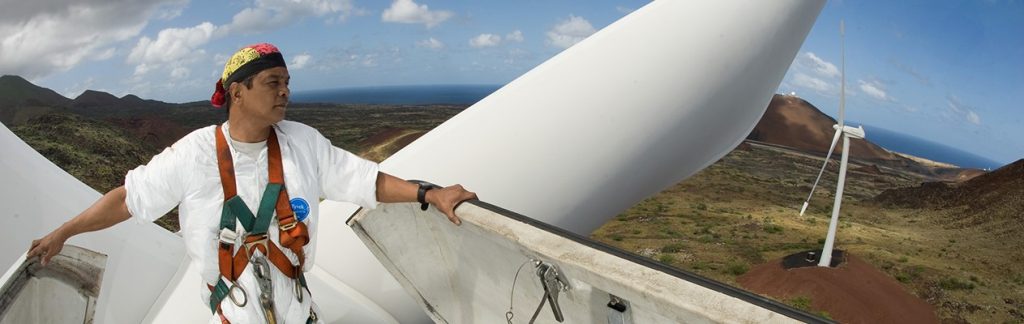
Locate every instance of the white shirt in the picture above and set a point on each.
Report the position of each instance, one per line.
(186, 175)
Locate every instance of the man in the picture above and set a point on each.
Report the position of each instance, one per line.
(248, 193)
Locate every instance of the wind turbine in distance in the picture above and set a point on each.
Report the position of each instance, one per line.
(847, 133)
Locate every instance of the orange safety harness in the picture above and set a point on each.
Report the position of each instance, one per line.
(293, 233)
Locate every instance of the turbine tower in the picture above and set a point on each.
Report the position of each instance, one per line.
(847, 133)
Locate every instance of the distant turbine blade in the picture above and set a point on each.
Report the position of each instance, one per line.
(835, 139)
(842, 89)
(825, 260)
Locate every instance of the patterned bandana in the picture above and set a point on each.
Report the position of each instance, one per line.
(246, 62)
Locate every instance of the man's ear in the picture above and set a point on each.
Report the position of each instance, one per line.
(234, 92)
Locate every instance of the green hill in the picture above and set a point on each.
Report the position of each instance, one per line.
(21, 100)
(15, 90)
(93, 151)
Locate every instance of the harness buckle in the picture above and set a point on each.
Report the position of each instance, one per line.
(290, 225)
(228, 236)
(261, 241)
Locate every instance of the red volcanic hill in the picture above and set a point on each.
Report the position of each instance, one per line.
(793, 122)
(155, 131)
(387, 142)
(853, 292)
(995, 198)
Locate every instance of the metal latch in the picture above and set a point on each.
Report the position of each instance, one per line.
(618, 310)
(261, 270)
(553, 284)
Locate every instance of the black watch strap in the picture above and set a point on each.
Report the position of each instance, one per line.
(421, 193)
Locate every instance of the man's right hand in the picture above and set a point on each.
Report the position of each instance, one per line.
(47, 246)
(106, 212)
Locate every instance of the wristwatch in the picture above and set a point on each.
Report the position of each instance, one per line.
(421, 193)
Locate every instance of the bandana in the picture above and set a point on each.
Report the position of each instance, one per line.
(246, 62)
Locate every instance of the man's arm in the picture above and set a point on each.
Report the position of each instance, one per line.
(105, 212)
(392, 189)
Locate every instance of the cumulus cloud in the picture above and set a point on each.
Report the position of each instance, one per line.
(920, 77)
(515, 56)
(961, 111)
(809, 71)
(408, 12)
(176, 46)
(366, 60)
(38, 38)
(170, 45)
(179, 72)
(104, 54)
(431, 43)
(485, 40)
(973, 118)
(809, 82)
(299, 61)
(79, 87)
(356, 57)
(569, 32)
(874, 89)
(349, 60)
(515, 36)
(268, 15)
(141, 69)
(168, 12)
(819, 66)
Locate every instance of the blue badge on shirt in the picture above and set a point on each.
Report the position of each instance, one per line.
(301, 208)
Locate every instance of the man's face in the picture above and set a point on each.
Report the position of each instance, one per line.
(267, 99)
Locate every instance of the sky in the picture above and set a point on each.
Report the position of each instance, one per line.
(947, 71)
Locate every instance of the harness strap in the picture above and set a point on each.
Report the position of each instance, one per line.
(273, 253)
(293, 234)
(226, 165)
(217, 293)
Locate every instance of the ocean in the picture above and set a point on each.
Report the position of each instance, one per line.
(470, 94)
(908, 144)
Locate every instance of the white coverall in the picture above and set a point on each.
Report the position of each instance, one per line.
(186, 175)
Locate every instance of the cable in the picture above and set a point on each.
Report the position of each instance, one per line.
(509, 315)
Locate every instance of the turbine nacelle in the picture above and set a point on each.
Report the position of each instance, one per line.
(850, 132)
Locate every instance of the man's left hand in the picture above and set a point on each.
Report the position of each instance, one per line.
(447, 198)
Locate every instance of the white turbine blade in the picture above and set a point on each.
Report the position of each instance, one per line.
(828, 156)
(660, 108)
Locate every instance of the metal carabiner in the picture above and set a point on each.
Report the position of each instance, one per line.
(298, 284)
(261, 270)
